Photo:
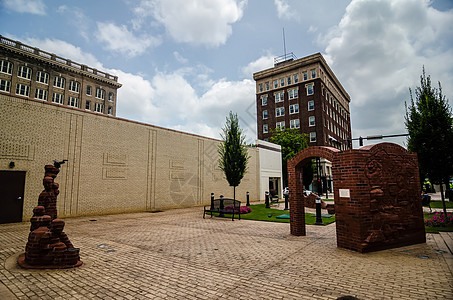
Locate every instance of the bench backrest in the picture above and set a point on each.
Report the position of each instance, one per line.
(227, 203)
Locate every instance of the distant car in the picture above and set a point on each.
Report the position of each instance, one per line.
(307, 192)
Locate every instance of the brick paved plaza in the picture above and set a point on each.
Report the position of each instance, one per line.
(177, 254)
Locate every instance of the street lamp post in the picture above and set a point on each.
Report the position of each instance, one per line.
(318, 212)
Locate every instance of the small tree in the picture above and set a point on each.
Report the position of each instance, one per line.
(233, 152)
(292, 141)
(430, 125)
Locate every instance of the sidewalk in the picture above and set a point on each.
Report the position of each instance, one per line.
(177, 254)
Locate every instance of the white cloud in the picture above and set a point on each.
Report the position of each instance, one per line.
(378, 50)
(179, 57)
(206, 22)
(262, 63)
(120, 39)
(36, 7)
(284, 10)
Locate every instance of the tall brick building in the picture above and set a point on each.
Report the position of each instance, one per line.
(31, 73)
(305, 94)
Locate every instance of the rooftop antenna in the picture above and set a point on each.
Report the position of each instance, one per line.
(284, 43)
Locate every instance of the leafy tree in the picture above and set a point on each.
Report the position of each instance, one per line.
(430, 125)
(292, 141)
(233, 152)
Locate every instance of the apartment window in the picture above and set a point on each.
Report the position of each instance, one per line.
(260, 87)
(279, 97)
(282, 81)
(74, 86)
(267, 86)
(57, 98)
(264, 100)
(100, 93)
(73, 101)
(311, 121)
(87, 105)
(265, 115)
(6, 67)
(296, 78)
(98, 107)
(22, 89)
(305, 75)
(288, 80)
(110, 96)
(293, 94)
(313, 73)
(279, 111)
(311, 105)
(294, 109)
(294, 123)
(280, 125)
(42, 77)
(58, 82)
(312, 136)
(310, 89)
(5, 86)
(24, 72)
(41, 94)
(89, 91)
(265, 128)
(110, 110)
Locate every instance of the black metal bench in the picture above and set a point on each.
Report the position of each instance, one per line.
(224, 206)
(426, 201)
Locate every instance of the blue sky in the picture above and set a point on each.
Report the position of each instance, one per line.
(184, 64)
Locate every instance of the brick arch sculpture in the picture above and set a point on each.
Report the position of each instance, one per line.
(377, 196)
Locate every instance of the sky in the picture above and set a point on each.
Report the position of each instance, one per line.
(184, 64)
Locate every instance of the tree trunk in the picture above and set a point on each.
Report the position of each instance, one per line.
(234, 192)
(443, 202)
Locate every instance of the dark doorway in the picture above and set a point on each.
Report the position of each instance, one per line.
(12, 184)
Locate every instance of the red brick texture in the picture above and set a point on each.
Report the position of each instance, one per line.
(383, 209)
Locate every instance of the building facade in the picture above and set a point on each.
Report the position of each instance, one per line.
(304, 94)
(32, 73)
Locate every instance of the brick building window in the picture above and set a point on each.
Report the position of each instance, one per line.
(41, 94)
(98, 107)
(57, 98)
(275, 84)
(24, 72)
(279, 111)
(296, 78)
(73, 101)
(311, 105)
(293, 94)
(310, 90)
(279, 97)
(110, 110)
(294, 109)
(305, 75)
(6, 67)
(282, 81)
(260, 87)
(22, 89)
(74, 86)
(265, 128)
(110, 96)
(311, 121)
(312, 137)
(294, 123)
(280, 125)
(5, 85)
(42, 77)
(288, 80)
(313, 73)
(267, 86)
(59, 82)
(263, 100)
(265, 114)
(89, 90)
(87, 105)
(100, 93)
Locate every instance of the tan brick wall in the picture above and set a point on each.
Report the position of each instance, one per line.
(114, 165)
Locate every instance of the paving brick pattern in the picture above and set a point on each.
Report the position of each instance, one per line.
(177, 254)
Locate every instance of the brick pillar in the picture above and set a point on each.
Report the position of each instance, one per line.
(296, 200)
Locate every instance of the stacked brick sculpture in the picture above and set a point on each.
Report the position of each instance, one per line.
(48, 246)
(377, 196)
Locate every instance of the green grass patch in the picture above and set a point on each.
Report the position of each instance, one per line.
(438, 204)
(261, 213)
(429, 229)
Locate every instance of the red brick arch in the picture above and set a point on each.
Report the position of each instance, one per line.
(380, 204)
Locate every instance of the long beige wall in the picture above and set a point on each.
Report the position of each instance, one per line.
(115, 165)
